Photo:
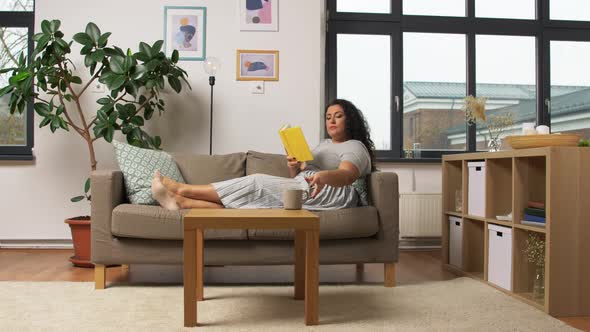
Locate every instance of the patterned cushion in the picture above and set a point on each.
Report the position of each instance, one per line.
(138, 166)
(360, 186)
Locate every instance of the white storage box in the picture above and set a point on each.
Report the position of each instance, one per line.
(456, 242)
(477, 189)
(500, 256)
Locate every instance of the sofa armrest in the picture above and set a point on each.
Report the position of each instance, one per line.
(384, 193)
(107, 191)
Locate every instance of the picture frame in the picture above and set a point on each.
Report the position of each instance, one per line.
(185, 29)
(259, 15)
(257, 65)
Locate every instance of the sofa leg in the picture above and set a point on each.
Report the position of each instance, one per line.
(389, 274)
(100, 274)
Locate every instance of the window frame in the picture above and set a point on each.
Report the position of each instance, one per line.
(21, 20)
(542, 28)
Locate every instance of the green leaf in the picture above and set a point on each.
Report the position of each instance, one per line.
(139, 72)
(45, 122)
(62, 43)
(98, 55)
(42, 109)
(113, 117)
(5, 90)
(102, 41)
(145, 49)
(59, 34)
(174, 83)
(68, 97)
(54, 124)
(175, 56)
(86, 49)
(117, 64)
(76, 80)
(76, 199)
(148, 112)
(37, 36)
(54, 25)
(45, 27)
(157, 46)
(60, 109)
(63, 124)
(157, 141)
(104, 101)
(84, 39)
(92, 68)
(109, 134)
(117, 82)
(137, 120)
(87, 185)
(93, 31)
(13, 80)
(102, 115)
(88, 60)
(131, 88)
(43, 41)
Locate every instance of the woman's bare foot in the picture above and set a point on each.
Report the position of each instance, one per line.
(170, 184)
(161, 194)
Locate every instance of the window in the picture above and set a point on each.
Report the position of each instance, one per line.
(527, 57)
(16, 29)
(355, 6)
(434, 88)
(505, 75)
(570, 87)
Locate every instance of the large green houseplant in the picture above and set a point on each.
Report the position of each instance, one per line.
(51, 81)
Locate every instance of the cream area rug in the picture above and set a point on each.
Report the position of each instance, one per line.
(459, 304)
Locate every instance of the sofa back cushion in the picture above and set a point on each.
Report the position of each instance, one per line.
(204, 169)
(266, 163)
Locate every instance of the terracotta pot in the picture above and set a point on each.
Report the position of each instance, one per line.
(80, 227)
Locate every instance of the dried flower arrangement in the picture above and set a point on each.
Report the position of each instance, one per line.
(475, 109)
(535, 250)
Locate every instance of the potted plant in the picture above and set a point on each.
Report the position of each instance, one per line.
(134, 81)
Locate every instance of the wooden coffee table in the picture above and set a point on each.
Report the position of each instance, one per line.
(307, 230)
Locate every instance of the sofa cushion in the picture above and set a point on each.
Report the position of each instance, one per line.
(203, 169)
(349, 223)
(266, 163)
(138, 166)
(154, 222)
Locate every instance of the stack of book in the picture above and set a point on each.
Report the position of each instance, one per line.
(534, 214)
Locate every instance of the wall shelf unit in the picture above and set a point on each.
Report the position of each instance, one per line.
(555, 176)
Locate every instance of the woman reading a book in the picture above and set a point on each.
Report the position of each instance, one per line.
(338, 162)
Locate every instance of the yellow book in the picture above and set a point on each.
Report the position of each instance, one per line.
(295, 143)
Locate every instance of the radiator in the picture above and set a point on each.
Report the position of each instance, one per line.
(420, 215)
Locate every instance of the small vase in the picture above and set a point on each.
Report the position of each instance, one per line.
(494, 144)
(539, 283)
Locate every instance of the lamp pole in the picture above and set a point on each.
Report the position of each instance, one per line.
(211, 83)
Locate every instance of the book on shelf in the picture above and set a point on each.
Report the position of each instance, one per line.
(295, 143)
(529, 217)
(535, 212)
(533, 223)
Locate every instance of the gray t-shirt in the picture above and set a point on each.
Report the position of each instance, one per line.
(328, 155)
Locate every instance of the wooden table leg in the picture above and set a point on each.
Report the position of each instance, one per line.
(299, 278)
(312, 244)
(199, 247)
(189, 278)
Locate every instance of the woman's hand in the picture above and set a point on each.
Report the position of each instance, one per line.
(294, 166)
(317, 182)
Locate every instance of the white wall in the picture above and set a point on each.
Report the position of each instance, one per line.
(34, 196)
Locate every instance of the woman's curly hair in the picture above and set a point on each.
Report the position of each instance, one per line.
(356, 126)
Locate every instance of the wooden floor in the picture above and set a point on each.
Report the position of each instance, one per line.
(414, 267)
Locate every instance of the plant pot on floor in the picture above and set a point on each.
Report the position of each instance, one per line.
(80, 227)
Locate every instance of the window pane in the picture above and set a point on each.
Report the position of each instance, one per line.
(434, 7)
(364, 78)
(505, 73)
(434, 88)
(355, 6)
(521, 9)
(12, 127)
(573, 10)
(570, 87)
(16, 5)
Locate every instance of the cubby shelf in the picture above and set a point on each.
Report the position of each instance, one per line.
(554, 176)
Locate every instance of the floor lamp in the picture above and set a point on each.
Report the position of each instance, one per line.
(211, 65)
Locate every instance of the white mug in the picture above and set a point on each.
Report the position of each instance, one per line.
(293, 199)
(542, 130)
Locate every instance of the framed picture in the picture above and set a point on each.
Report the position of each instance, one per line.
(257, 65)
(259, 15)
(185, 31)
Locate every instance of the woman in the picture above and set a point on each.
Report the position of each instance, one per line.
(338, 162)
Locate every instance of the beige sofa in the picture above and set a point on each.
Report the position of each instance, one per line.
(124, 233)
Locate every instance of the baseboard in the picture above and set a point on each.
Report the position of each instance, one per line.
(36, 244)
(420, 243)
